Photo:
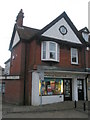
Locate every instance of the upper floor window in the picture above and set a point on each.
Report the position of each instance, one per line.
(85, 36)
(74, 56)
(50, 51)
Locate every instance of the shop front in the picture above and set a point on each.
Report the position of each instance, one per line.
(57, 87)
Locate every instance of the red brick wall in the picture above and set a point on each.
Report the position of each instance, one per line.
(28, 88)
(17, 64)
(33, 57)
(13, 91)
(65, 57)
(88, 58)
(34, 54)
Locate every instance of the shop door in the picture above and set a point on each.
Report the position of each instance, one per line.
(67, 89)
(80, 90)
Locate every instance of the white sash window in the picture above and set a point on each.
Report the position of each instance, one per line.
(50, 51)
(74, 56)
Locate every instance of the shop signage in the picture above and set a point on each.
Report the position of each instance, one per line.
(12, 77)
(9, 77)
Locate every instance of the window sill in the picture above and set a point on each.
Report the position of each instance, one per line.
(52, 95)
(48, 60)
(77, 64)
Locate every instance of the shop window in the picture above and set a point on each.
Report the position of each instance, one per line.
(50, 51)
(74, 56)
(51, 87)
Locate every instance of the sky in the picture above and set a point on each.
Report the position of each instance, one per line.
(38, 13)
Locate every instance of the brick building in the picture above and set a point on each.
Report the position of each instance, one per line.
(52, 63)
(2, 84)
(7, 67)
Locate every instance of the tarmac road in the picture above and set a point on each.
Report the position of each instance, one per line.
(51, 114)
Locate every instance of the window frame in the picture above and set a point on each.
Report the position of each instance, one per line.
(76, 63)
(57, 50)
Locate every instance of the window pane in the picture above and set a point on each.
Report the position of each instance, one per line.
(51, 87)
(44, 50)
(52, 46)
(44, 46)
(74, 59)
(50, 51)
(44, 54)
(74, 55)
(52, 55)
(58, 52)
(74, 52)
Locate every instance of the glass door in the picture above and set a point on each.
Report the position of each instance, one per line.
(80, 90)
(67, 89)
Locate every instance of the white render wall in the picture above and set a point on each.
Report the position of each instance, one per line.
(74, 90)
(52, 99)
(35, 89)
(54, 32)
(84, 83)
(16, 39)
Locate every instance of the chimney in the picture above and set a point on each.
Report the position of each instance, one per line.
(19, 18)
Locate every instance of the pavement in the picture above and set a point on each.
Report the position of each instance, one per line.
(63, 106)
(51, 114)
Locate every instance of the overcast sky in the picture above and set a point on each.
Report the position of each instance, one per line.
(38, 13)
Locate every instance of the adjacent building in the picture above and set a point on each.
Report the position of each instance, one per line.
(2, 84)
(7, 67)
(52, 63)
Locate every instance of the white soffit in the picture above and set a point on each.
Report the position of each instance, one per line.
(53, 32)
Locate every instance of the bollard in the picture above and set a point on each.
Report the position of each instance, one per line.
(75, 104)
(84, 106)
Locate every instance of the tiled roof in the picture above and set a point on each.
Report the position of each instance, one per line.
(26, 33)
